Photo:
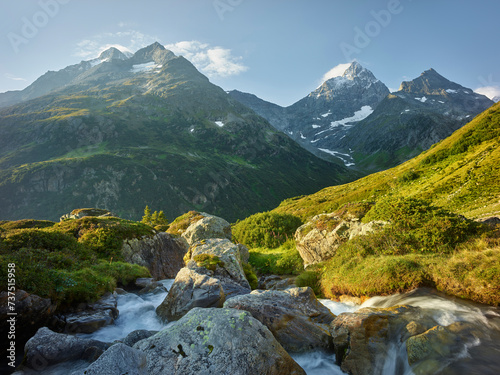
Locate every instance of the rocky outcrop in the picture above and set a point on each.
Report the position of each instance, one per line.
(208, 227)
(319, 238)
(47, 348)
(162, 254)
(362, 339)
(294, 316)
(217, 341)
(276, 282)
(191, 288)
(213, 274)
(94, 316)
(226, 251)
(83, 212)
(119, 359)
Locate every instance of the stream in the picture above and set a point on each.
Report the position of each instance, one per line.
(477, 356)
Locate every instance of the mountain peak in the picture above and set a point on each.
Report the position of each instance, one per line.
(429, 82)
(112, 54)
(356, 70)
(154, 52)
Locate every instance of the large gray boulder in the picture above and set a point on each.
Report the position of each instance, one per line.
(208, 227)
(161, 254)
(217, 341)
(191, 288)
(118, 359)
(229, 253)
(47, 348)
(319, 238)
(294, 316)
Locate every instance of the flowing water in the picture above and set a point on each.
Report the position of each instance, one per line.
(477, 356)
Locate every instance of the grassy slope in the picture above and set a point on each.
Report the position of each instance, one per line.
(460, 173)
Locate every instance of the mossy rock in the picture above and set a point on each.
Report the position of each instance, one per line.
(209, 261)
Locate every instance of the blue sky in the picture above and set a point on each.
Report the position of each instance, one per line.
(277, 49)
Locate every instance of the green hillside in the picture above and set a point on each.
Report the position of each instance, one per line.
(168, 138)
(427, 242)
(460, 173)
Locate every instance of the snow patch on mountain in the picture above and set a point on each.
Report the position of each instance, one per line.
(346, 158)
(363, 113)
(146, 67)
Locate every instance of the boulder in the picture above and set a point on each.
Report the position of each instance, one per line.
(319, 238)
(83, 212)
(94, 316)
(48, 348)
(213, 275)
(191, 288)
(32, 311)
(118, 359)
(136, 336)
(216, 341)
(492, 221)
(208, 227)
(363, 338)
(294, 316)
(161, 254)
(431, 351)
(227, 252)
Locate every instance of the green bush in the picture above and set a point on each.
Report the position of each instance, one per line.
(310, 279)
(417, 226)
(284, 260)
(266, 229)
(180, 224)
(61, 261)
(250, 275)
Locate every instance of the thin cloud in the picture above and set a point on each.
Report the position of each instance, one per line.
(336, 71)
(212, 61)
(489, 91)
(14, 78)
(215, 62)
(125, 41)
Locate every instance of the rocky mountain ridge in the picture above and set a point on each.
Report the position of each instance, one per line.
(354, 118)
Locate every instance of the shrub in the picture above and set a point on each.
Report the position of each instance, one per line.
(310, 279)
(284, 260)
(374, 275)
(417, 226)
(266, 229)
(250, 275)
(180, 224)
(470, 274)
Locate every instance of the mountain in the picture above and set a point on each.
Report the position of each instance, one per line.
(122, 132)
(354, 117)
(326, 112)
(460, 173)
(409, 121)
(496, 99)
